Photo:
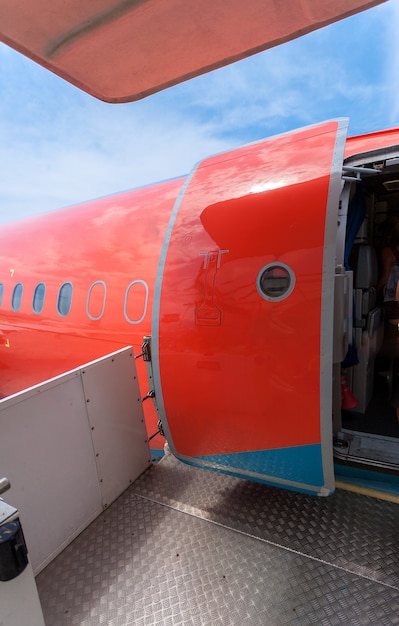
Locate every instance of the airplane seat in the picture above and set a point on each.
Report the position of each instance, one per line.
(365, 268)
(368, 324)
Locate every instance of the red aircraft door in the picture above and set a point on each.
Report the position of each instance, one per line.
(243, 311)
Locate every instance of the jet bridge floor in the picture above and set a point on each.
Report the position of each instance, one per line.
(185, 546)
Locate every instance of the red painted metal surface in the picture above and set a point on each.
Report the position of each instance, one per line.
(249, 368)
(125, 50)
(116, 240)
(371, 141)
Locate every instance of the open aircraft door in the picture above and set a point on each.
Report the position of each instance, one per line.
(243, 315)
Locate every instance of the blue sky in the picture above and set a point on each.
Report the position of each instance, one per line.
(59, 146)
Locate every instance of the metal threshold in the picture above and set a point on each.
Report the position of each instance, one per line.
(369, 449)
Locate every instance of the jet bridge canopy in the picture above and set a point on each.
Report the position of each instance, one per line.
(124, 50)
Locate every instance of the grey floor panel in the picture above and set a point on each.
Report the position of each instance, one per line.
(189, 547)
(349, 530)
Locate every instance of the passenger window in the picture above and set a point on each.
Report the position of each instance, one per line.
(136, 300)
(17, 297)
(38, 297)
(1, 293)
(64, 299)
(96, 297)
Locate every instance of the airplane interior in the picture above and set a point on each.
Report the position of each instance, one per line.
(366, 382)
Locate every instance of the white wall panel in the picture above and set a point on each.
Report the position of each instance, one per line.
(48, 450)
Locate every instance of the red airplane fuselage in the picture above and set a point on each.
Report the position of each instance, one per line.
(230, 270)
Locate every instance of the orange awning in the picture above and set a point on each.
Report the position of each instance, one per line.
(123, 50)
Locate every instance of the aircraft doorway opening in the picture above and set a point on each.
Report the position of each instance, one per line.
(366, 380)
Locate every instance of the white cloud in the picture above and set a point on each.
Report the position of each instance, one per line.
(340, 70)
(94, 154)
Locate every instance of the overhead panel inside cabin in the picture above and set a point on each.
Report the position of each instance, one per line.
(124, 50)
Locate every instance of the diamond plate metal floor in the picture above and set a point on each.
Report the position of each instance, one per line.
(185, 546)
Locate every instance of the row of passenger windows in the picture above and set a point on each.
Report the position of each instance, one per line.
(135, 301)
